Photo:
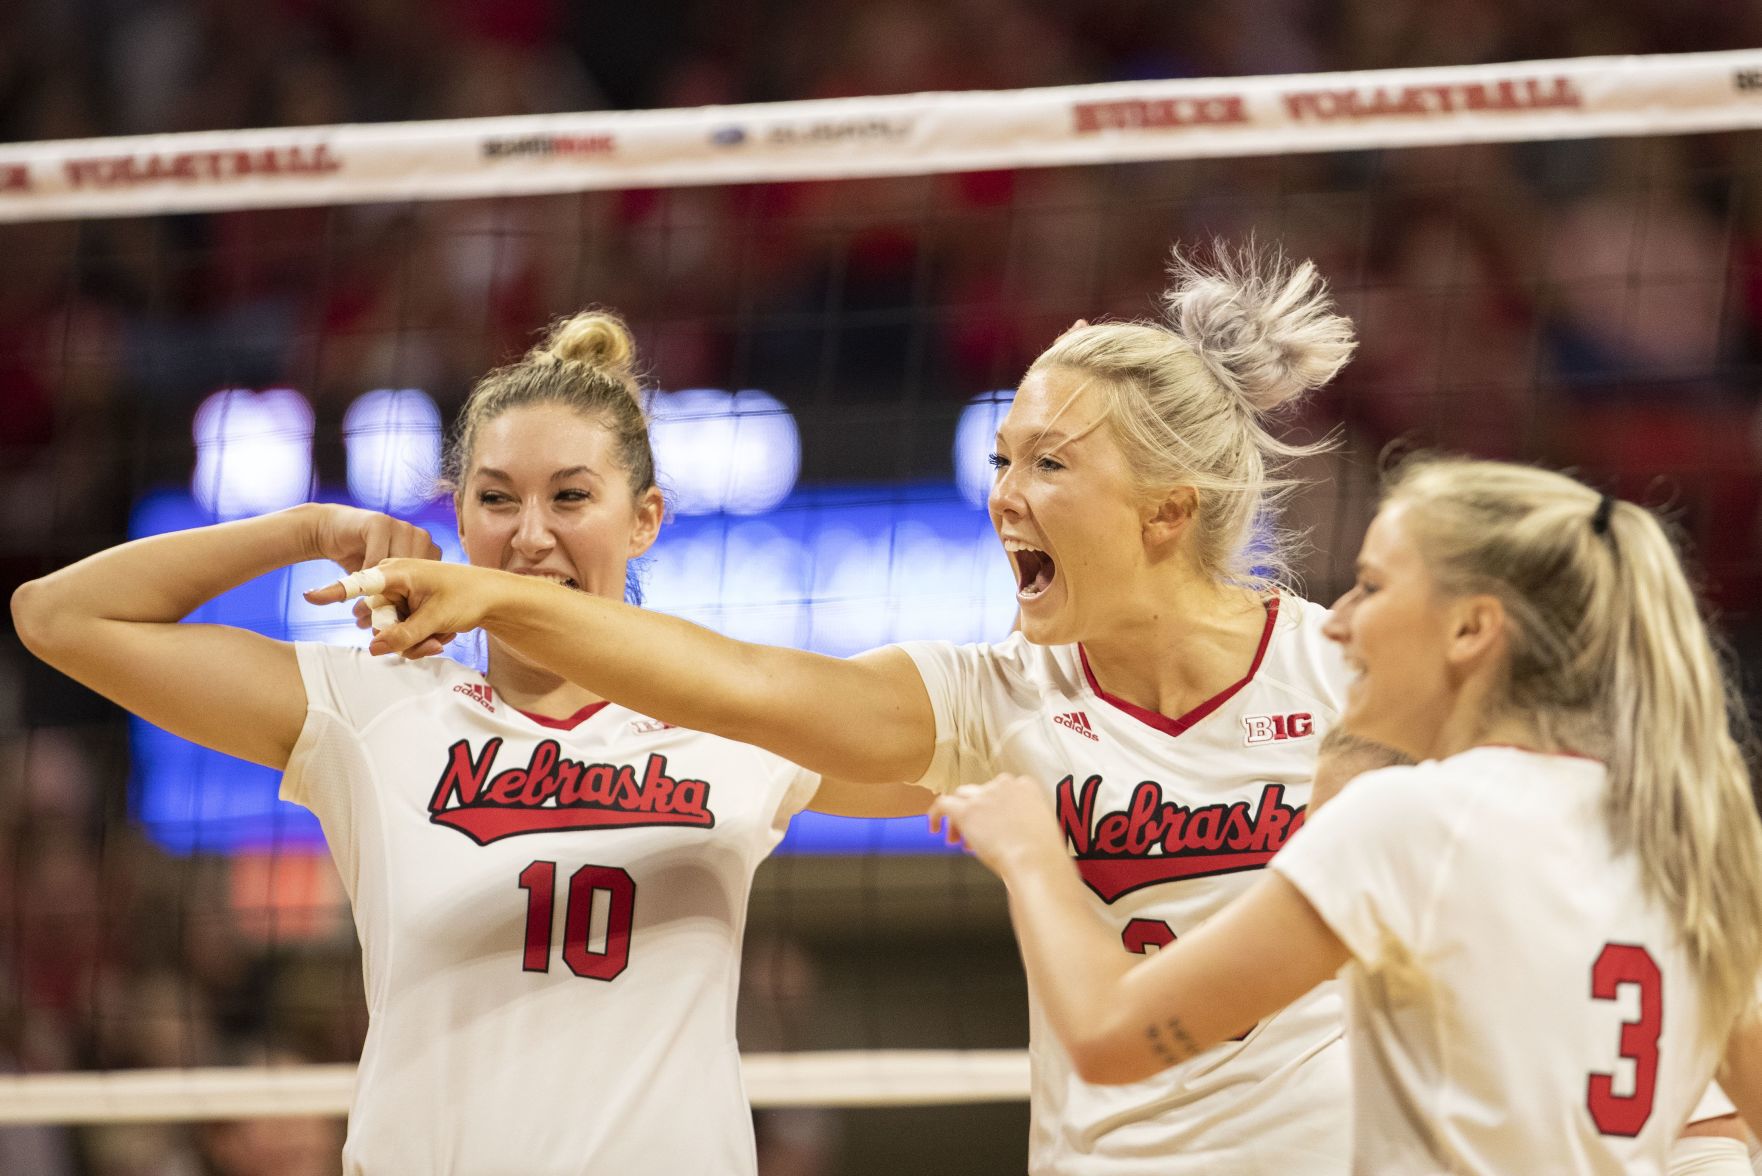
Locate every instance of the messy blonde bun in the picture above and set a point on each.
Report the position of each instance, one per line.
(1188, 399)
(1262, 326)
(587, 362)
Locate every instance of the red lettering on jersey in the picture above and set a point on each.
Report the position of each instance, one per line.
(1152, 840)
(464, 776)
(550, 792)
(1277, 728)
(1075, 821)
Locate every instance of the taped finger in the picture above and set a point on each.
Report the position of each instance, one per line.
(366, 582)
(385, 613)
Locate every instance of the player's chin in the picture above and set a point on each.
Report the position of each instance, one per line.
(1364, 717)
(1046, 629)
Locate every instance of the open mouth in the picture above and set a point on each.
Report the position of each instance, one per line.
(1034, 569)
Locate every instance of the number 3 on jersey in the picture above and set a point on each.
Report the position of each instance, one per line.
(539, 880)
(1623, 964)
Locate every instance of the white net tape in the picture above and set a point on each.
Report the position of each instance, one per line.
(907, 134)
(845, 138)
(832, 1078)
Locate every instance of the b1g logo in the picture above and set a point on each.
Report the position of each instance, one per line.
(1276, 728)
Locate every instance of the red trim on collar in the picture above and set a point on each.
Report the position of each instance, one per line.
(1170, 726)
(573, 721)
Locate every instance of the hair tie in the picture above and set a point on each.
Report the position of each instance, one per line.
(1600, 520)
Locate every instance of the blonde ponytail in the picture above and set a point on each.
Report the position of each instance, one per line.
(1681, 797)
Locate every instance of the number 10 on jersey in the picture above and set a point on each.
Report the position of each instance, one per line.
(539, 880)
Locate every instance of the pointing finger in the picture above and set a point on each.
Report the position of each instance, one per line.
(366, 582)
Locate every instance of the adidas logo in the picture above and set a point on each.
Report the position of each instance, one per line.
(1078, 722)
(479, 693)
(644, 726)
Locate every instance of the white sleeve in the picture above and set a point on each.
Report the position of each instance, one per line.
(1371, 864)
(1713, 1105)
(955, 677)
(1708, 1155)
(346, 690)
(799, 787)
(358, 687)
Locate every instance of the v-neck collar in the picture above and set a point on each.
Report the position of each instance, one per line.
(1178, 725)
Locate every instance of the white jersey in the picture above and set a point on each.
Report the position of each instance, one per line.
(550, 916)
(1516, 1001)
(1169, 820)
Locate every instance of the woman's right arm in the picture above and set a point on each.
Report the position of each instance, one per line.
(111, 621)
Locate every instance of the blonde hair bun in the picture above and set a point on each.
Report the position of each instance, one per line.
(596, 338)
(1264, 327)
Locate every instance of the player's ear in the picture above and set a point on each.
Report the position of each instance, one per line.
(1169, 513)
(1476, 629)
(649, 510)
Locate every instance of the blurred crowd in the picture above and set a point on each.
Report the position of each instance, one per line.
(1589, 303)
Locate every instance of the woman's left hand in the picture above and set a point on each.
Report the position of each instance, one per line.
(1006, 823)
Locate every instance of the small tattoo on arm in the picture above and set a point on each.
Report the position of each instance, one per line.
(1171, 1043)
(1154, 1036)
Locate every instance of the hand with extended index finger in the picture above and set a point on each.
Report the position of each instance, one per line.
(423, 603)
(1006, 822)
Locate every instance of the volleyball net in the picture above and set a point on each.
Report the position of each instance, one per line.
(1557, 261)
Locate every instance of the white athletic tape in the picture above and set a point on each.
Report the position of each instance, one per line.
(385, 613)
(366, 582)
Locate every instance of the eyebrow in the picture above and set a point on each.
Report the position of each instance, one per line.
(559, 476)
(1050, 440)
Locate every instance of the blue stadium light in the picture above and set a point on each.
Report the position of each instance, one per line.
(975, 439)
(914, 574)
(720, 452)
(393, 437)
(253, 452)
(851, 568)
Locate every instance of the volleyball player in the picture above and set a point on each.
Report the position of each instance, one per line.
(1569, 888)
(1157, 665)
(549, 889)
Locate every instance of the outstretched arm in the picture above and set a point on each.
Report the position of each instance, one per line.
(1120, 1017)
(111, 622)
(865, 719)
